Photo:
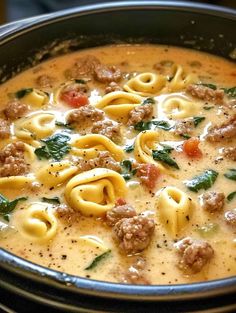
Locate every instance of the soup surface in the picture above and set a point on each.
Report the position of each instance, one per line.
(119, 164)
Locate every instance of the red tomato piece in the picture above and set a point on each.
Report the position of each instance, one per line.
(190, 147)
(148, 174)
(120, 201)
(74, 98)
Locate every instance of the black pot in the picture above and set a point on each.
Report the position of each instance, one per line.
(31, 41)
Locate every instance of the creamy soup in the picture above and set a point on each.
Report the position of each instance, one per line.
(118, 163)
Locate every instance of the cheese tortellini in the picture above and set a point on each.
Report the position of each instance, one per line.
(146, 84)
(36, 222)
(36, 126)
(118, 104)
(16, 182)
(94, 192)
(180, 79)
(177, 107)
(56, 173)
(35, 98)
(145, 142)
(174, 207)
(89, 146)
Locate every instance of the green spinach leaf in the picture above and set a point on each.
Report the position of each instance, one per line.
(148, 101)
(55, 147)
(231, 92)
(65, 125)
(212, 86)
(6, 206)
(164, 157)
(203, 181)
(141, 126)
(129, 149)
(23, 92)
(231, 196)
(97, 260)
(54, 200)
(127, 169)
(197, 120)
(231, 174)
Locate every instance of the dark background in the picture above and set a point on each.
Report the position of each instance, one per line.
(11, 10)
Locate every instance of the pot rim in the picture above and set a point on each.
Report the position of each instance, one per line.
(76, 284)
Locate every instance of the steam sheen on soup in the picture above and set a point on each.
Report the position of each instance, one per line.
(119, 163)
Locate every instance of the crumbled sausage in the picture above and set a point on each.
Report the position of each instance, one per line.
(113, 86)
(206, 93)
(134, 234)
(82, 67)
(118, 212)
(45, 81)
(103, 159)
(230, 218)
(140, 113)
(184, 127)
(85, 114)
(194, 254)
(107, 74)
(230, 153)
(148, 174)
(67, 214)
(15, 110)
(213, 201)
(4, 129)
(107, 128)
(225, 131)
(12, 161)
(135, 273)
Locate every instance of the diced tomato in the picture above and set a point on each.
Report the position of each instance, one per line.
(120, 201)
(148, 174)
(74, 98)
(190, 147)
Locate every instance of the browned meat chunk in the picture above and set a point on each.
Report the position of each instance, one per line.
(194, 254)
(4, 129)
(83, 67)
(85, 114)
(15, 110)
(206, 93)
(78, 87)
(107, 128)
(230, 153)
(135, 274)
(213, 201)
(184, 127)
(103, 160)
(134, 234)
(67, 214)
(107, 74)
(230, 217)
(45, 81)
(225, 131)
(12, 161)
(113, 86)
(118, 212)
(140, 113)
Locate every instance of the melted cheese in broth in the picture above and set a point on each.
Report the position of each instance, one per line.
(71, 237)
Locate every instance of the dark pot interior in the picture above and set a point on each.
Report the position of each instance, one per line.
(33, 40)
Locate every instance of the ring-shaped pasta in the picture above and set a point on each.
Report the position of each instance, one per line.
(94, 192)
(118, 104)
(145, 142)
(56, 173)
(88, 147)
(16, 182)
(37, 222)
(177, 107)
(35, 126)
(35, 98)
(174, 207)
(146, 84)
(180, 79)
